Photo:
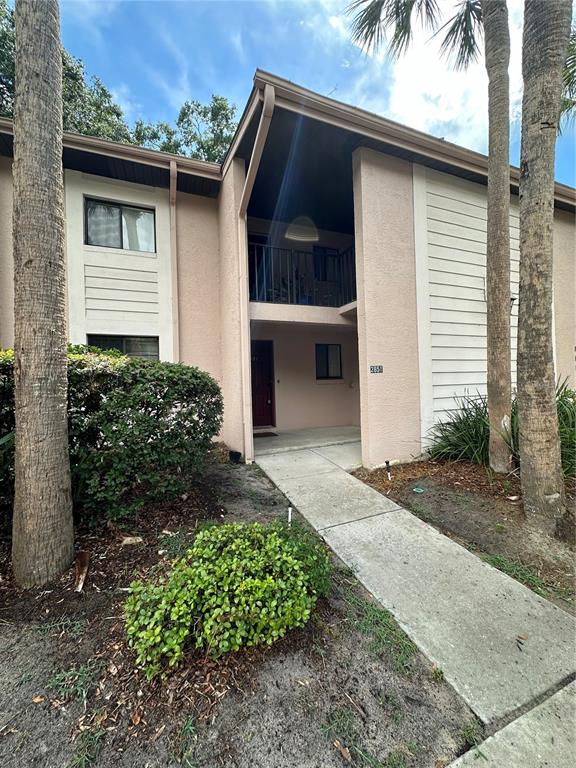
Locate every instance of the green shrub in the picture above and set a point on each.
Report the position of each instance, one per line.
(465, 435)
(238, 585)
(138, 429)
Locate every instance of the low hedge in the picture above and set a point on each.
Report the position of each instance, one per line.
(238, 585)
(137, 429)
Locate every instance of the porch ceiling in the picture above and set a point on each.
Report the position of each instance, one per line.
(306, 170)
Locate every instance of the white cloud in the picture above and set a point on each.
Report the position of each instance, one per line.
(176, 90)
(237, 44)
(421, 89)
(122, 96)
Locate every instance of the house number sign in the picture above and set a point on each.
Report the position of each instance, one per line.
(376, 369)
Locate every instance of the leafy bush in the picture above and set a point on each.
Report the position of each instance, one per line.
(238, 585)
(465, 436)
(137, 429)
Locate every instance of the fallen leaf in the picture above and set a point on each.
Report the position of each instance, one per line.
(38, 699)
(128, 540)
(344, 751)
(136, 717)
(112, 668)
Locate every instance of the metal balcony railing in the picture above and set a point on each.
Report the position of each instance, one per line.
(326, 278)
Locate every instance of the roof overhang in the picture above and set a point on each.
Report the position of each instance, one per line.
(130, 162)
(422, 147)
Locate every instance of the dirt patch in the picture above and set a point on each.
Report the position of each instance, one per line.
(483, 513)
(348, 689)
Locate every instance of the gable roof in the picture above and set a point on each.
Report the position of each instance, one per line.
(149, 166)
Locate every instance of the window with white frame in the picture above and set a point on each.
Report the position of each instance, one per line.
(115, 225)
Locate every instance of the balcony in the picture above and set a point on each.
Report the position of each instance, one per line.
(324, 277)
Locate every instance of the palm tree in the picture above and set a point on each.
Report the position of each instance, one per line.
(42, 533)
(544, 47)
(373, 20)
(568, 107)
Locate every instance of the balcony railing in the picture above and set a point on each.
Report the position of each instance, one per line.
(288, 276)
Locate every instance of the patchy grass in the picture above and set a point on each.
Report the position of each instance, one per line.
(174, 545)
(75, 683)
(437, 674)
(89, 744)
(341, 728)
(471, 734)
(526, 575)
(387, 639)
(188, 736)
(73, 628)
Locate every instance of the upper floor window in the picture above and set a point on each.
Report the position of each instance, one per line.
(113, 225)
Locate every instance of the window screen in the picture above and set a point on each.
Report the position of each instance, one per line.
(328, 361)
(119, 226)
(133, 346)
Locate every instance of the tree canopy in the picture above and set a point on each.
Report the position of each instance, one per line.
(203, 131)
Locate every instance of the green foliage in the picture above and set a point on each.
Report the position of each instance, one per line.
(138, 429)
(376, 22)
(238, 585)
(465, 436)
(387, 638)
(88, 105)
(471, 734)
(527, 575)
(89, 746)
(203, 131)
(75, 683)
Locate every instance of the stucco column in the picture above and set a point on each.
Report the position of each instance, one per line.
(387, 320)
(234, 323)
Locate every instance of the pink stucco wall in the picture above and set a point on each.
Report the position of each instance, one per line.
(301, 400)
(387, 321)
(232, 322)
(199, 283)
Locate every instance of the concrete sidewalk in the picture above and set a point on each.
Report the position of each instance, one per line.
(463, 614)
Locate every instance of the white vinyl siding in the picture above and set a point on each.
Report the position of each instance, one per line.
(455, 259)
(118, 291)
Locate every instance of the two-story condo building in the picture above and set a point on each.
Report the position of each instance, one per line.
(329, 273)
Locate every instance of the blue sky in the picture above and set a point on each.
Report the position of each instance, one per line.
(154, 54)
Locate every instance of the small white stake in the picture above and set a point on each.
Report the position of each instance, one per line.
(289, 516)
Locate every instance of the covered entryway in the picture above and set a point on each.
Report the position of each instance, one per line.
(340, 445)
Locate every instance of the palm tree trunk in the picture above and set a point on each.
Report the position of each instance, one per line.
(42, 534)
(544, 45)
(497, 57)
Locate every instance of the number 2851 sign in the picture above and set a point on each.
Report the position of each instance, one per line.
(376, 369)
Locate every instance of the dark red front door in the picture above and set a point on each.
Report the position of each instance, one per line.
(263, 384)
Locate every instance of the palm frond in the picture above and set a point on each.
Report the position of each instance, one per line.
(463, 31)
(373, 19)
(568, 107)
(367, 27)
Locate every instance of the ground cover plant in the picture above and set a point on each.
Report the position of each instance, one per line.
(138, 429)
(237, 586)
(72, 695)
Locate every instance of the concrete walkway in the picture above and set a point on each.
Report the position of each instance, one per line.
(499, 644)
(296, 439)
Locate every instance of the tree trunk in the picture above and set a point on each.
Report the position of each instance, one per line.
(42, 533)
(497, 56)
(544, 45)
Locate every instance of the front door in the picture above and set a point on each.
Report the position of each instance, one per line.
(263, 384)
